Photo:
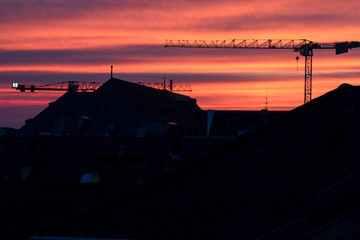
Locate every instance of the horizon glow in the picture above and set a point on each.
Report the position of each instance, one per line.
(54, 41)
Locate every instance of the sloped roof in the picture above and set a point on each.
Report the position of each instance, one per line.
(333, 213)
(139, 99)
(234, 123)
(137, 93)
(26, 206)
(261, 181)
(139, 96)
(44, 120)
(346, 227)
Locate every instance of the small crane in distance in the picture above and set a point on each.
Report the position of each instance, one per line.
(169, 87)
(69, 86)
(78, 86)
(304, 46)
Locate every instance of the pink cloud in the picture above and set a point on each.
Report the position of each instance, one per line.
(51, 41)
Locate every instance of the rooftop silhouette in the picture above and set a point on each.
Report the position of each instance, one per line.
(265, 179)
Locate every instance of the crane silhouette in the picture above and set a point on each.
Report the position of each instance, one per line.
(304, 46)
(69, 86)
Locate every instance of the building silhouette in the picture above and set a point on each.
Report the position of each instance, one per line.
(119, 108)
(300, 170)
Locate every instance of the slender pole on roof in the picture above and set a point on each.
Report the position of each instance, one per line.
(111, 71)
(164, 82)
(266, 101)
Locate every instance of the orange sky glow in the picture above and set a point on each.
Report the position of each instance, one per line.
(54, 41)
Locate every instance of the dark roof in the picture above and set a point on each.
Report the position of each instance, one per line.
(261, 181)
(234, 123)
(346, 227)
(44, 120)
(333, 214)
(65, 159)
(26, 206)
(116, 101)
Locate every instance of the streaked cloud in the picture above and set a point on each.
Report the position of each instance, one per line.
(62, 40)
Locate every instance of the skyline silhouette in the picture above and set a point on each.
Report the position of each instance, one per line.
(66, 41)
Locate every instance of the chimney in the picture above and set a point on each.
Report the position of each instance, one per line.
(171, 85)
(264, 115)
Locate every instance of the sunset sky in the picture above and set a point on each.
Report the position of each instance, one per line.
(61, 40)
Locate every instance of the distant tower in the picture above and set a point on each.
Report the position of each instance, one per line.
(265, 112)
(111, 73)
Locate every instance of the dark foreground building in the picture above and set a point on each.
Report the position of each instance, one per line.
(64, 142)
(26, 206)
(124, 109)
(119, 108)
(289, 171)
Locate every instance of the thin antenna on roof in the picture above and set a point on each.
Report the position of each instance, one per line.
(111, 71)
(266, 102)
(164, 82)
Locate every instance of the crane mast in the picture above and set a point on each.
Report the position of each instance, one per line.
(304, 46)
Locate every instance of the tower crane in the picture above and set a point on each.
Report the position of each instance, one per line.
(76, 86)
(169, 87)
(69, 86)
(304, 46)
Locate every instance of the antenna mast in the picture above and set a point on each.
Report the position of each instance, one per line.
(266, 101)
